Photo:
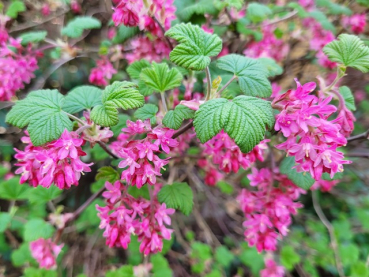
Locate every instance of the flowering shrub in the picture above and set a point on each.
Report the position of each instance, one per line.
(183, 138)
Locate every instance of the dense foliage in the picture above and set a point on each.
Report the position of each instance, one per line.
(184, 138)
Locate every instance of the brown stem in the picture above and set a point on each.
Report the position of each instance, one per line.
(183, 129)
(107, 150)
(163, 30)
(364, 135)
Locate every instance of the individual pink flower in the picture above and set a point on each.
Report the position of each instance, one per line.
(127, 13)
(272, 269)
(75, 7)
(356, 23)
(45, 10)
(45, 252)
(101, 74)
(113, 191)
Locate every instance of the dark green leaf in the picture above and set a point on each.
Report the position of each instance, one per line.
(147, 111)
(173, 119)
(12, 190)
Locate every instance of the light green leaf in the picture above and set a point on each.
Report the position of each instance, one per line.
(124, 33)
(42, 111)
(195, 46)
(14, 8)
(42, 195)
(134, 69)
(257, 12)
(359, 269)
(12, 190)
(223, 256)
(21, 255)
(5, 219)
(349, 254)
(201, 7)
(37, 228)
(159, 78)
(82, 98)
(252, 75)
(160, 266)
(225, 187)
(173, 119)
(350, 51)
(177, 196)
(243, 119)
(32, 37)
(39, 272)
(271, 66)
(147, 111)
(289, 257)
(118, 95)
(300, 179)
(349, 98)
(124, 271)
(75, 28)
(107, 173)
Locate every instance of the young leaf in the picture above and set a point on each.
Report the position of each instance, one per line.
(257, 12)
(42, 112)
(147, 111)
(107, 173)
(134, 69)
(177, 196)
(42, 195)
(173, 119)
(75, 28)
(300, 179)
(32, 37)
(125, 33)
(243, 119)
(195, 46)
(159, 78)
(12, 190)
(82, 98)
(271, 66)
(349, 98)
(118, 95)
(252, 75)
(14, 8)
(350, 51)
(37, 228)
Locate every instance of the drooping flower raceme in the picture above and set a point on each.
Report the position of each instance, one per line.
(102, 73)
(56, 162)
(124, 216)
(311, 138)
(45, 252)
(268, 210)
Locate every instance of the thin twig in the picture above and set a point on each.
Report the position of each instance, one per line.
(163, 30)
(183, 129)
(364, 135)
(208, 79)
(330, 229)
(107, 150)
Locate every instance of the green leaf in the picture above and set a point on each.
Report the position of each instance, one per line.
(243, 119)
(82, 98)
(12, 190)
(359, 269)
(5, 219)
(117, 129)
(271, 66)
(225, 187)
(42, 195)
(159, 78)
(350, 51)
(177, 196)
(32, 37)
(37, 228)
(323, 20)
(195, 46)
(107, 173)
(257, 12)
(39, 272)
(14, 8)
(300, 10)
(147, 111)
(75, 28)
(3, 171)
(300, 179)
(118, 95)
(349, 254)
(124, 271)
(173, 119)
(160, 266)
(214, 273)
(252, 259)
(201, 7)
(134, 69)
(252, 75)
(42, 112)
(289, 257)
(349, 98)
(139, 192)
(223, 256)
(21, 255)
(124, 33)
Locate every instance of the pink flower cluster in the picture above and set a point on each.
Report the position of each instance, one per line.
(324, 185)
(356, 23)
(227, 155)
(125, 216)
(95, 133)
(140, 156)
(268, 47)
(152, 50)
(311, 138)
(16, 67)
(45, 252)
(102, 73)
(269, 208)
(56, 162)
(272, 269)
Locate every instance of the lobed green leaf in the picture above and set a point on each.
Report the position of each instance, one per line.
(173, 119)
(32, 37)
(75, 28)
(300, 179)
(82, 98)
(177, 196)
(147, 111)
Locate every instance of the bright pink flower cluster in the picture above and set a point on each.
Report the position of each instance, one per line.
(127, 12)
(311, 138)
(56, 162)
(269, 208)
(152, 50)
(272, 269)
(268, 47)
(16, 67)
(356, 23)
(96, 133)
(140, 156)
(102, 73)
(125, 216)
(45, 252)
